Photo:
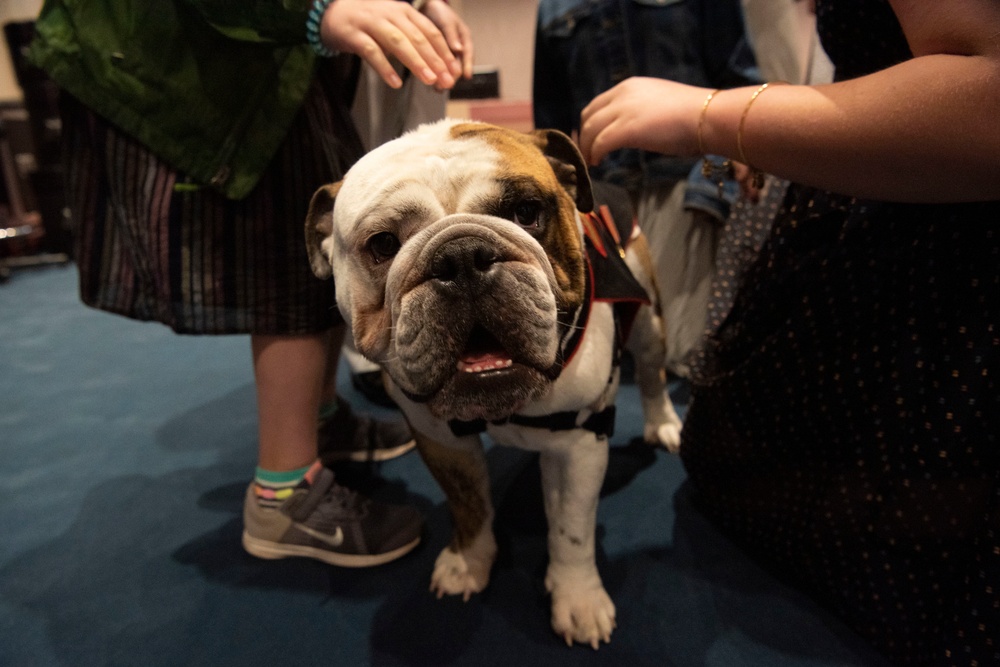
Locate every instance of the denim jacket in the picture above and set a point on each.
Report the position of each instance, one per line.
(584, 47)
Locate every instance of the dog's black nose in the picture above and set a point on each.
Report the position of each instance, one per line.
(464, 260)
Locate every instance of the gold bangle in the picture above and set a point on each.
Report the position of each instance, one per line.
(743, 120)
(716, 174)
(701, 119)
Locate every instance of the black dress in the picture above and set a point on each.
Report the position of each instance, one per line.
(845, 420)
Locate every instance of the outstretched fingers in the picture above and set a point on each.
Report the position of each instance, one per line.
(456, 34)
(384, 29)
(593, 122)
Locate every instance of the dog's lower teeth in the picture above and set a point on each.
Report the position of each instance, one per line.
(479, 368)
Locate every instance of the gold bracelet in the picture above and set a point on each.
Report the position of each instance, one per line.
(716, 174)
(701, 119)
(757, 176)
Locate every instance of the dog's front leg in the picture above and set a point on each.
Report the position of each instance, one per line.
(572, 475)
(463, 567)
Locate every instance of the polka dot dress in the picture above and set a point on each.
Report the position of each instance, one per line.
(845, 421)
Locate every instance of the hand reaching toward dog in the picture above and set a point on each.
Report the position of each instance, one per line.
(455, 32)
(435, 45)
(652, 114)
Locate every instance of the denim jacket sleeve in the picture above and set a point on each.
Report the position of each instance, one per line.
(706, 195)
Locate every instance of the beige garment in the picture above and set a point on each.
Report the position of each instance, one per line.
(683, 244)
(383, 113)
(783, 36)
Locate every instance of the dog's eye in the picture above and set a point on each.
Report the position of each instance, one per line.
(383, 246)
(528, 213)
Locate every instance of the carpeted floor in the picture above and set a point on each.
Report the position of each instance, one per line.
(124, 453)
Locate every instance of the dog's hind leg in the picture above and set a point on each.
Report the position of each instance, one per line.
(463, 567)
(648, 346)
(573, 470)
(661, 425)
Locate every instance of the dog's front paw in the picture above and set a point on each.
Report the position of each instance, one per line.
(582, 614)
(457, 573)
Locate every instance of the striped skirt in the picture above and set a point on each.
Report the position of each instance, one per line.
(151, 247)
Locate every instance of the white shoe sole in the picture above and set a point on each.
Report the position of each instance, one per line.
(273, 550)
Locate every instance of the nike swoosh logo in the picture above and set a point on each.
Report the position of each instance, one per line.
(334, 540)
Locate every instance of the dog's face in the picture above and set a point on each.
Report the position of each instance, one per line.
(458, 261)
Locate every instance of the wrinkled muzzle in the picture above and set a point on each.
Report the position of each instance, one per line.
(475, 330)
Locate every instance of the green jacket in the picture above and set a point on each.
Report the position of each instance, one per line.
(210, 86)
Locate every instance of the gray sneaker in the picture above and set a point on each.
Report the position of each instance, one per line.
(330, 523)
(348, 436)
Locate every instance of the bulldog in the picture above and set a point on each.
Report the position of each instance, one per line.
(468, 262)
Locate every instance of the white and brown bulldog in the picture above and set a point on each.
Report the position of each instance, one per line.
(460, 257)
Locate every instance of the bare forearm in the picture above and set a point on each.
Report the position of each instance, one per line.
(924, 130)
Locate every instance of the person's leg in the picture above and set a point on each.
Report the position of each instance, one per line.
(294, 507)
(289, 373)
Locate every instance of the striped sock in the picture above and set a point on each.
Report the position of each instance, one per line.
(273, 487)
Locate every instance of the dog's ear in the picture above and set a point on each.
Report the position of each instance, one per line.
(319, 226)
(569, 166)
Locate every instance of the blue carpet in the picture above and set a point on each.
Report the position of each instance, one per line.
(125, 451)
